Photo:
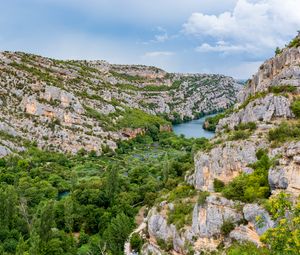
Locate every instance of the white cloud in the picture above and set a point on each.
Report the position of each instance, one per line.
(158, 54)
(224, 47)
(253, 25)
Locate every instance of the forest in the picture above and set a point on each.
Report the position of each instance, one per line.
(54, 203)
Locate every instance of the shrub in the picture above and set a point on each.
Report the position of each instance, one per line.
(211, 123)
(239, 134)
(278, 51)
(295, 107)
(246, 126)
(285, 132)
(218, 185)
(227, 227)
(134, 118)
(181, 214)
(294, 43)
(202, 197)
(248, 188)
(284, 238)
(246, 248)
(182, 191)
(136, 242)
(165, 245)
(282, 89)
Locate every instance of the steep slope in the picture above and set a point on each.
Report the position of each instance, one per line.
(250, 172)
(69, 105)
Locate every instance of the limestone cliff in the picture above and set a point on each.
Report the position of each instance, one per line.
(264, 119)
(70, 105)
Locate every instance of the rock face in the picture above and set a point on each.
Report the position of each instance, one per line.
(283, 69)
(70, 105)
(286, 175)
(258, 216)
(224, 162)
(209, 218)
(259, 110)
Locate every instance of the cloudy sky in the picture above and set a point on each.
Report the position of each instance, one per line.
(232, 37)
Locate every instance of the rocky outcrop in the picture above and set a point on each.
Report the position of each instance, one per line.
(260, 110)
(283, 69)
(245, 234)
(286, 174)
(258, 217)
(223, 162)
(209, 218)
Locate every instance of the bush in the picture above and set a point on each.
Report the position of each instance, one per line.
(285, 132)
(211, 123)
(134, 118)
(294, 43)
(218, 185)
(227, 227)
(248, 188)
(136, 242)
(295, 107)
(182, 191)
(282, 89)
(239, 134)
(246, 248)
(165, 245)
(278, 51)
(246, 126)
(181, 214)
(202, 197)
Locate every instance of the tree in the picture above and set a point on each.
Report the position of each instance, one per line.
(112, 183)
(117, 233)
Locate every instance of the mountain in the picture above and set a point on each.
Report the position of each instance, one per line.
(247, 181)
(72, 105)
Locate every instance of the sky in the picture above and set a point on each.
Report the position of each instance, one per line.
(231, 37)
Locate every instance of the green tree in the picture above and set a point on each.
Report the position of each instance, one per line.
(117, 233)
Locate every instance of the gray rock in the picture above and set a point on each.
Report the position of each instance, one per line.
(259, 217)
(223, 162)
(208, 219)
(261, 109)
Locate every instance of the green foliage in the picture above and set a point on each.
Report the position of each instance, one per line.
(282, 89)
(218, 185)
(182, 191)
(239, 135)
(47, 198)
(285, 132)
(227, 227)
(136, 242)
(249, 188)
(295, 107)
(284, 238)
(165, 245)
(117, 233)
(246, 248)
(246, 126)
(134, 118)
(212, 122)
(202, 197)
(278, 51)
(295, 43)
(181, 215)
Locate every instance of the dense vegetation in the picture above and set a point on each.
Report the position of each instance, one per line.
(85, 204)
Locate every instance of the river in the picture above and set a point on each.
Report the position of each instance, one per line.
(193, 129)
